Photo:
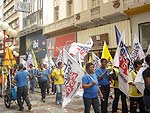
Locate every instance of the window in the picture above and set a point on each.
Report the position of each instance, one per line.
(69, 8)
(106, 1)
(56, 13)
(95, 3)
(14, 24)
(144, 34)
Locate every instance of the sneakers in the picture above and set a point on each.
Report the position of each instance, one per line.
(29, 107)
(57, 102)
(43, 100)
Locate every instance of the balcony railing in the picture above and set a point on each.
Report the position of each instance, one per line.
(33, 19)
(64, 23)
(132, 3)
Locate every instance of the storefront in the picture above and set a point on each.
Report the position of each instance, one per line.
(36, 42)
(55, 44)
(105, 33)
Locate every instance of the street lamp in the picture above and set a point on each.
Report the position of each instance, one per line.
(6, 35)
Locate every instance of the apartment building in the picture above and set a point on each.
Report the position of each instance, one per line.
(81, 19)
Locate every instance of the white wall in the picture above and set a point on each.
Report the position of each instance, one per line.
(48, 12)
(62, 9)
(136, 20)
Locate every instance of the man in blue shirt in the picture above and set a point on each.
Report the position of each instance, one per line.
(91, 90)
(43, 77)
(103, 75)
(22, 90)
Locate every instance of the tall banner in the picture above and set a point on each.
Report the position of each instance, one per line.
(73, 77)
(123, 65)
(96, 60)
(82, 48)
(137, 52)
(148, 50)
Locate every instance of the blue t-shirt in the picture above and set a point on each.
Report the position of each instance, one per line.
(43, 75)
(105, 80)
(91, 92)
(21, 78)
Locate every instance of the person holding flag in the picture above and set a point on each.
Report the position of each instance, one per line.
(136, 98)
(91, 90)
(118, 93)
(103, 75)
(146, 76)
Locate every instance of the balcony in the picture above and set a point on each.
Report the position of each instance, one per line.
(32, 23)
(133, 7)
(60, 26)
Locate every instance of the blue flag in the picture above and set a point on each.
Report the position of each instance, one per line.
(118, 35)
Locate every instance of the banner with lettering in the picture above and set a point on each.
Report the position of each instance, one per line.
(82, 48)
(73, 77)
(96, 60)
(137, 52)
(123, 65)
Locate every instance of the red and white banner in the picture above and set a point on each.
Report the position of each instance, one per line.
(82, 48)
(73, 77)
(123, 65)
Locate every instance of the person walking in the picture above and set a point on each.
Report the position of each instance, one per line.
(22, 90)
(118, 93)
(136, 98)
(103, 75)
(91, 90)
(146, 76)
(43, 76)
(58, 75)
(32, 77)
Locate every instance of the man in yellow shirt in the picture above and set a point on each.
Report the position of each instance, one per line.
(58, 75)
(136, 98)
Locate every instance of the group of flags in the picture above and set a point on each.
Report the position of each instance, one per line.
(72, 60)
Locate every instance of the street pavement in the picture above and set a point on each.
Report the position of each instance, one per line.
(75, 106)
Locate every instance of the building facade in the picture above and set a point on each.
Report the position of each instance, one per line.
(97, 18)
(31, 35)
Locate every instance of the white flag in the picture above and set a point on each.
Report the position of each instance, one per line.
(123, 60)
(139, 81)
(82, 48)
(60, 57)
(96, 60)
(137, 52)
(73, 77)
(148, 50)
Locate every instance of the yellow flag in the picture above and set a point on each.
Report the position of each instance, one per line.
(90, 59)
(34, 58)
(9, 58)
(106, 54)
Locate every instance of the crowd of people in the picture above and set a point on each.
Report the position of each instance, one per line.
(95, 83)
(98, 82)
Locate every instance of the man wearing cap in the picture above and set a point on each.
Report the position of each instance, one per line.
(22, 90)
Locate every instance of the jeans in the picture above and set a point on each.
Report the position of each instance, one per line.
(105, 91)
(117, 94)
(32, 82)
(59, 92)
(22, 92)
(43, 85)
(136, 101)
(91, 101)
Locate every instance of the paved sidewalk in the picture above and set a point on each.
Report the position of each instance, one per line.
(75, 106)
